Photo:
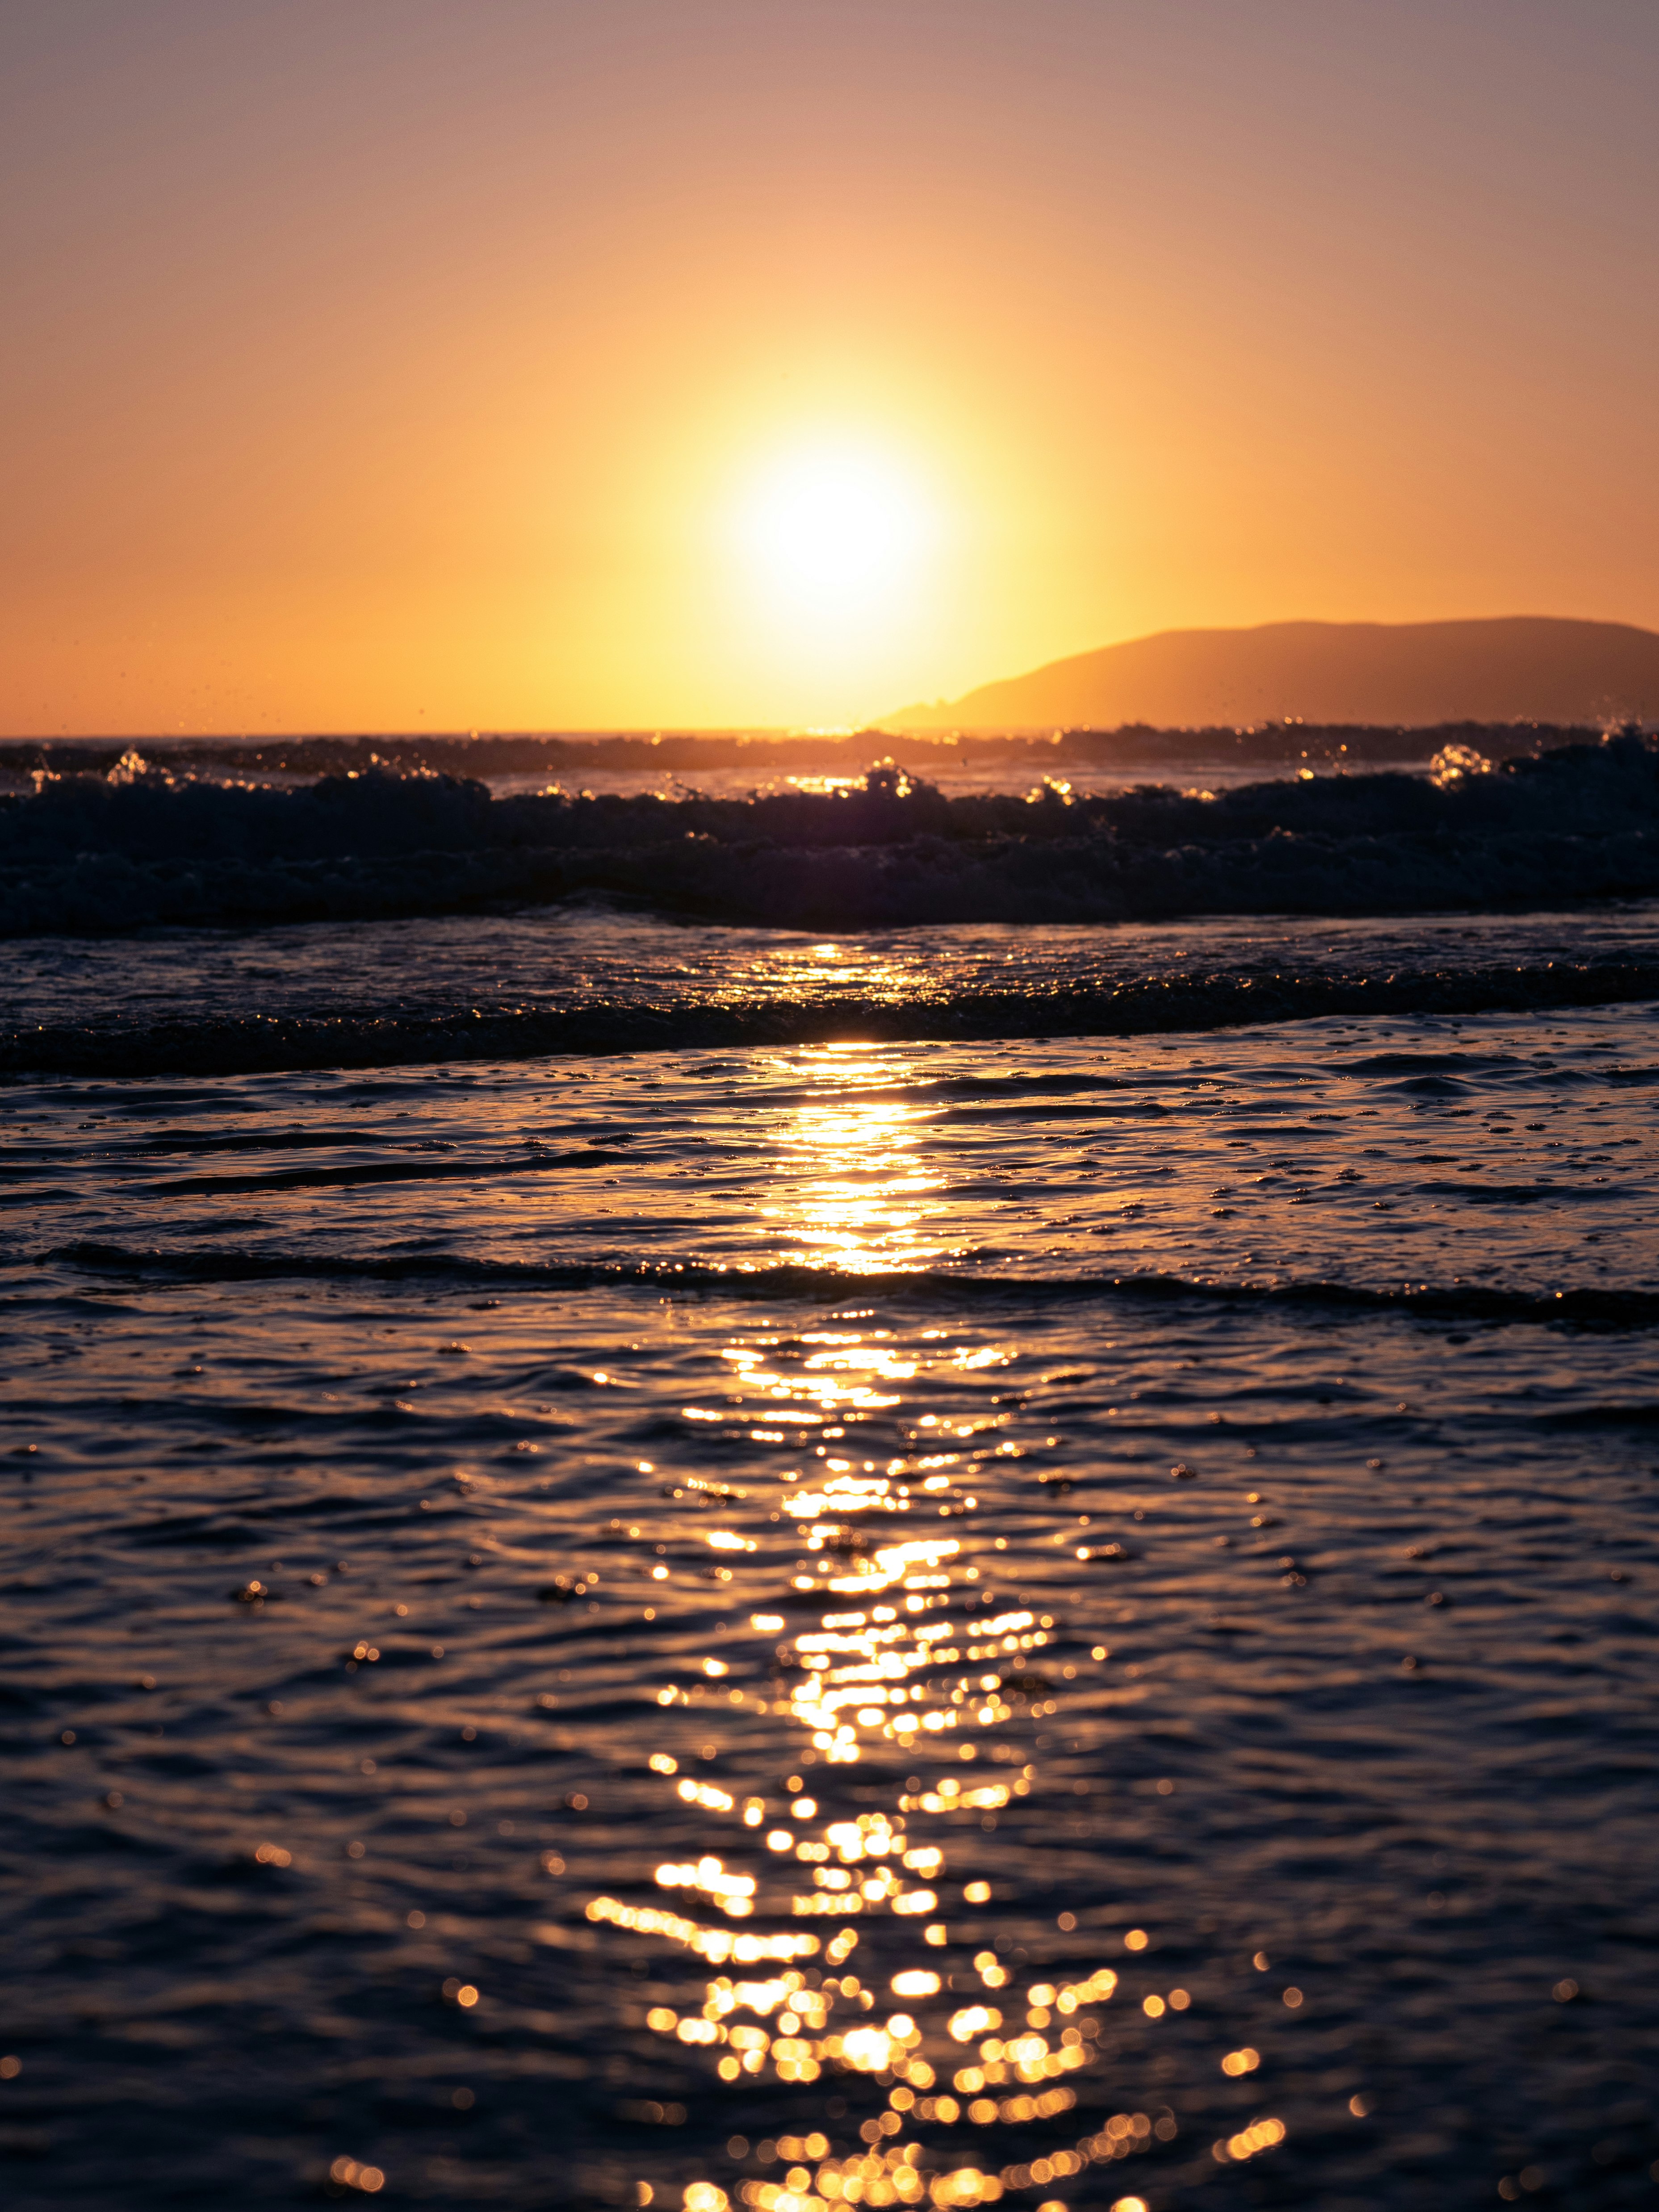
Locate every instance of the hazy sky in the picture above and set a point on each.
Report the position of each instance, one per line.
(494, 363)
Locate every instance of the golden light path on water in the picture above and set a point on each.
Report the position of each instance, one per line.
(859, 1198)
(894, 1653)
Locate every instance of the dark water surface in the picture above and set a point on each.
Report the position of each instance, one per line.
(1063, 1623)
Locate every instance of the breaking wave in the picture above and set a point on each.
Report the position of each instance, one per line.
(1577, 1306)
(90, 856)
(1137, 1006)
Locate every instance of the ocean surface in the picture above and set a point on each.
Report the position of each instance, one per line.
(657, 1559)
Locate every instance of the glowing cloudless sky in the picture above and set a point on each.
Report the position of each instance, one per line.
(600, 363)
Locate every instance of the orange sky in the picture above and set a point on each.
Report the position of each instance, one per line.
(406, 365)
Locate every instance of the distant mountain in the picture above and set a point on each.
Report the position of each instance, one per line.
(1520, 668)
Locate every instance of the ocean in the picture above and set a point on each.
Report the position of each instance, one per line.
(880, 1494)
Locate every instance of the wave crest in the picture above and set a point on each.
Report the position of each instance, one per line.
(86, 855)
(1139, 1006)
(1577, 1306)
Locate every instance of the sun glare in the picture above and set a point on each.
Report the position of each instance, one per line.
(835, 533)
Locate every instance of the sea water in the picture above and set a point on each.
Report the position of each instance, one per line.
(887, 1620)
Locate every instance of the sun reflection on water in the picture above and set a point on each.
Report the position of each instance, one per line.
(840, 1930)
(843, 1937)
(858, 1196)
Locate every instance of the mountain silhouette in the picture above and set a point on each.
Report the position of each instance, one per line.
(1520, 668)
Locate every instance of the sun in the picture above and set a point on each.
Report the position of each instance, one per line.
(834, 533)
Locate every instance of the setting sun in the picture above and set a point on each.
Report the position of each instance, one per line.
(834, 535)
